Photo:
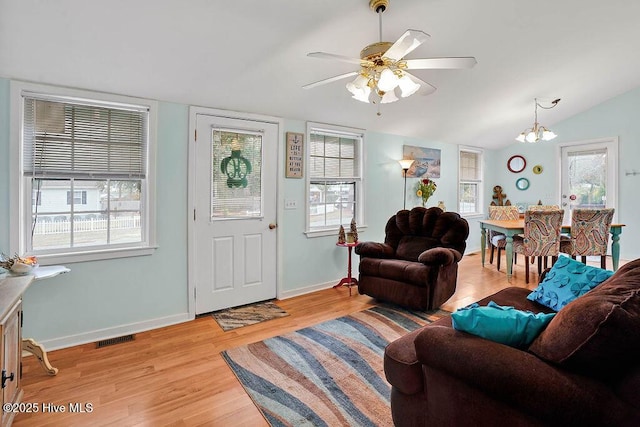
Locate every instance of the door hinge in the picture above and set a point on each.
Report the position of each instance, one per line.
(195, 292)
(194, 214)
(195, 135)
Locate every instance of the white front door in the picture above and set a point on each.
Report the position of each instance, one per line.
(588, 176)
(234, 251)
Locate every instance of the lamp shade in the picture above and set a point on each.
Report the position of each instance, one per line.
(405, 164)
(407, 86)
(388, 97)
(388, 80)
(362, 95)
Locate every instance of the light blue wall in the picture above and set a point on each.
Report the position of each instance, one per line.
(618, 117)
(317, 260)
(104, 297)
(4, 164)
(96, 296)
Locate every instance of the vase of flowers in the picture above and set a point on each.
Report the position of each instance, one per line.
(425, 189)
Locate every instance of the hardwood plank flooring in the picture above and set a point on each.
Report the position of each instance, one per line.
(175, 376)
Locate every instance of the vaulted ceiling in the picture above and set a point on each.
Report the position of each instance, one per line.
(251, 56)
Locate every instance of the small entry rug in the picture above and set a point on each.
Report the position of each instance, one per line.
(330, 374)
(236, 317)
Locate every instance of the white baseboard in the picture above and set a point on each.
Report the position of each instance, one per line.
(306, 290)
(113, 332)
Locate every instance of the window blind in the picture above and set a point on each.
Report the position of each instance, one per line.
(67, 139)
(332, 156)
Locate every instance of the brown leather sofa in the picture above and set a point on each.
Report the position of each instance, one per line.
(417, 265)
(582, 370)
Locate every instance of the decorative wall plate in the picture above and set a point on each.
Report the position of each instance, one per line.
(522, 184)
(516, 164)
(537, 169)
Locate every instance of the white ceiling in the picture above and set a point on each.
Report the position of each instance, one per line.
(248, 55)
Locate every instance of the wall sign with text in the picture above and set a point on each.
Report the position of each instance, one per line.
(295, 155)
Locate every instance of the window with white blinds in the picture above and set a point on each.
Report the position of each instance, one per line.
(87, 172)
(470, 182)
(335, 178)
(63, 139)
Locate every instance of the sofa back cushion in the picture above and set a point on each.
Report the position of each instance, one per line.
(597, 334)
(410, 247)
(447, 229)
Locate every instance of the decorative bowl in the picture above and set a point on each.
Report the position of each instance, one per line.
(22, 268)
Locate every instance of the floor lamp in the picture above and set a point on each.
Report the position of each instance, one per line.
(405, 164)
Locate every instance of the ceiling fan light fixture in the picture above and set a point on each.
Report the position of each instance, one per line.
(407, 86)
(362, 95)
(388, 80)
(388, 97)
(383, 66)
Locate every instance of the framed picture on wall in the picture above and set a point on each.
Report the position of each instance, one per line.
(426, 161)
(294, 152)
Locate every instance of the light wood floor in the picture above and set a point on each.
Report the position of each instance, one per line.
(176, 376)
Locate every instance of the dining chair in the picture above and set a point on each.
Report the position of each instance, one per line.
(497, 239)
(543, 207)
(541, 237)
(589, 234)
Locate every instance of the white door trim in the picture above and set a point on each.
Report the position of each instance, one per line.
(193, 112)
(612, 186)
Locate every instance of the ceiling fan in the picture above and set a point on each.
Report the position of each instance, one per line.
(383, 69)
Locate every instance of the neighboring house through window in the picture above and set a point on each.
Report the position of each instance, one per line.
(334, 178)
(470, 181)
(86, 166)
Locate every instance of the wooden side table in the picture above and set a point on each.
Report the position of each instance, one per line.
(348, 281)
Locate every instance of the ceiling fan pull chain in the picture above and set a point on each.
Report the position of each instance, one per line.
(380, 23)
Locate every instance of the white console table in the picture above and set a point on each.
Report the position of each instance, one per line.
(29, 344)
(38, 273)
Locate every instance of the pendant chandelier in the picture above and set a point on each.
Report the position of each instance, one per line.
(538, 132)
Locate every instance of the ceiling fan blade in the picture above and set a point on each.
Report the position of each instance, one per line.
(330, 80)
(410, 40)
(342, 58)
(425, 88)
(440, 63)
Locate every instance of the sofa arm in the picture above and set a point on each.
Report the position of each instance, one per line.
(520, 379)
(374, 250)
(439, 256)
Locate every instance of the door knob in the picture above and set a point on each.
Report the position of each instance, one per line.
(272, 226)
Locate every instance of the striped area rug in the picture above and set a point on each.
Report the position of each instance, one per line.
(330, 374)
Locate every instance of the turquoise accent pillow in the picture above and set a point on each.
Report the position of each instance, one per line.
(506, 325)
(567, 280)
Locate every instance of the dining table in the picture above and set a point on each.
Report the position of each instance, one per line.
(514, 227)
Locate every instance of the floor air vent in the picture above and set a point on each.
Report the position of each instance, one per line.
(113, 341)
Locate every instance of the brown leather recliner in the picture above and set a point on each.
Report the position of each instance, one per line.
(417, 265)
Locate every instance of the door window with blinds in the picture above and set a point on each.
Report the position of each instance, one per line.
(236, 181)
(85, 165)
(470, 182)
(335, 179)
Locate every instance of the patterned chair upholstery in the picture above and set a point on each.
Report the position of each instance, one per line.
(497, 239)
(417, 265)
(589, 234)
(543, 207)
(541, 237)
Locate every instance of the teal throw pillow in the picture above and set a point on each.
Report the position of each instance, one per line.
(567, 280)
(506, 325)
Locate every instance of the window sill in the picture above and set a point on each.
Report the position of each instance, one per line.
(475, 215)
(330, 231)
(95, 255)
